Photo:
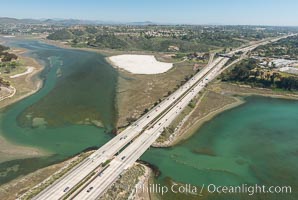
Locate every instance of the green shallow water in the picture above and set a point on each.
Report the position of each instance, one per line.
(256, 143)
(79, 86)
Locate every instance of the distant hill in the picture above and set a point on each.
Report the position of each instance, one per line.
(142, 23)
(70, 21)
(8, 20)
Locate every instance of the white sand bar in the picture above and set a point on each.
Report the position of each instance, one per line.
(140, 64)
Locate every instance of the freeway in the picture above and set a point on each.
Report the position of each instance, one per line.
(132, 153)
(259, 43)
(162, 114)
(108, 150)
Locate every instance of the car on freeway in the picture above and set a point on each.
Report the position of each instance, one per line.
(66, 189)
(89, 189)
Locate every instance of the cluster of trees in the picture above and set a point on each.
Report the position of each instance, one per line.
(248, 73)
(108, 41)
(288, 83)
(4, 82)
(5, 56)
(63, 34)
(7, 61)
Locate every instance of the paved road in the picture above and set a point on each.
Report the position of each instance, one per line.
(134, 151)
(141, 143)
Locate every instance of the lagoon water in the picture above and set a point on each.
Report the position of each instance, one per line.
(79, 87)
(254, 143)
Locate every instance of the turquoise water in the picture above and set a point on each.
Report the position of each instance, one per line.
(83, 90)
(256, 143)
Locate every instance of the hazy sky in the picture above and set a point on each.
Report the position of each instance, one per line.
(258, 12)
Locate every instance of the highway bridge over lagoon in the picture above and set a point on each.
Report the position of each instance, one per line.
(93, 176)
